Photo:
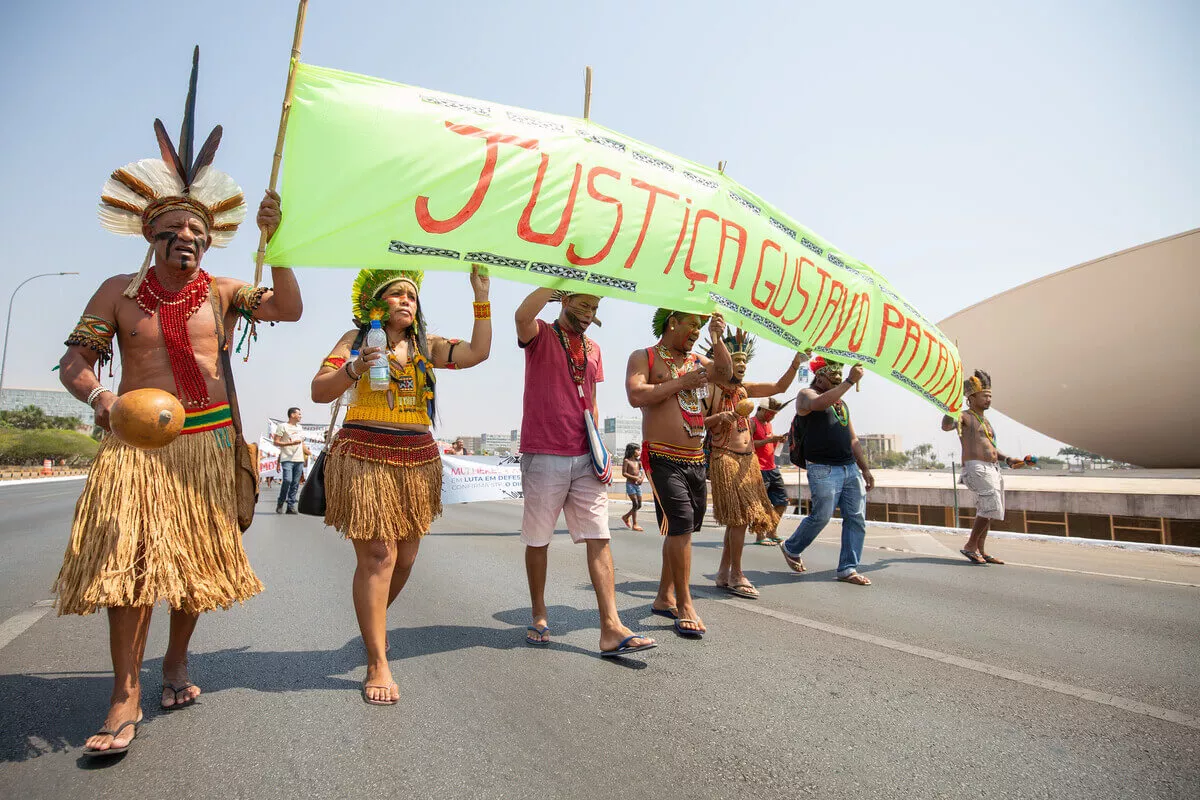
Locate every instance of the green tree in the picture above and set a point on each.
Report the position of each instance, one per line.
(32, 418)
(923, 457)
(30, 447)
(891, 460)
(1079, 453)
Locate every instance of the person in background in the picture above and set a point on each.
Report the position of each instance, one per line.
(838, 474)
(631, 470)
(765, 441)
(289, 438)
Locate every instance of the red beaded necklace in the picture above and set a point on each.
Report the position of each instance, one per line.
(577, 353)
(174, 309)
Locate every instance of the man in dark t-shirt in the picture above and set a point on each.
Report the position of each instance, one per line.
(838, 474)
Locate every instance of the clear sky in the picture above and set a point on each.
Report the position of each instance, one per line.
(959, 148)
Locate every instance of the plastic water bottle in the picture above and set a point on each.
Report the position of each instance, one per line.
(803, 376)
(348, 395)
(379, 367)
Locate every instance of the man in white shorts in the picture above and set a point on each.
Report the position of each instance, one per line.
(562, 368)
(981, 463)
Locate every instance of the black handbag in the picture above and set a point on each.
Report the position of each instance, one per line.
(312, 493)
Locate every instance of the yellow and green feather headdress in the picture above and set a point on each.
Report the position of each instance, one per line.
(369, 284)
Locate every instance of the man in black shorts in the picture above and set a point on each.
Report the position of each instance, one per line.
(666, 381)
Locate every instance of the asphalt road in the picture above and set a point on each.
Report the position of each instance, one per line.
(1072, 676)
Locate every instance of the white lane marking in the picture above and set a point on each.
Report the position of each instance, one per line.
(928, 545)
(17, 624)
(1106, 574)
(1101, 698)
(956, 556)
(30, 481)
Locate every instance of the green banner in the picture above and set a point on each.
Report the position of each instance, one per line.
(381, 174)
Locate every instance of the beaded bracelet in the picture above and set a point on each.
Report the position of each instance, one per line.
(94, 393)
(482, 310)
(350, 374)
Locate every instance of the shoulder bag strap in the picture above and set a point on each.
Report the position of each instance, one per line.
(337, 404)
(214, 298)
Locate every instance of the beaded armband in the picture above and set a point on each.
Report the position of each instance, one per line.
(248, 298)
(482, 310)
(94, 333)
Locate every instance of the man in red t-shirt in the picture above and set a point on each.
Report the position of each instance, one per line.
(562, 368)
(765, 440)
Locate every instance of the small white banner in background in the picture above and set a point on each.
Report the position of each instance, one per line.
(471, 479)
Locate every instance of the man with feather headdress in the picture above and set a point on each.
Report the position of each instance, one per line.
(980, 463)
(161, 524)
(740, 500)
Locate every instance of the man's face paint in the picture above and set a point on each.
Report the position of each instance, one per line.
(180, 239)
(739, 366)
(830, 376)
(579, 311)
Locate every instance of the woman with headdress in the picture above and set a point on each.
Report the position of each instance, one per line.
(383, 472)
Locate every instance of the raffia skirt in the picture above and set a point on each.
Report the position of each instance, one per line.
(157, 525)
(382, 484)
(739, 495)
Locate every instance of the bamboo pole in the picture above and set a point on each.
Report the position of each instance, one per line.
(260, 256)
(587, 93)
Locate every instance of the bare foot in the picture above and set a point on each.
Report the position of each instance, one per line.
(611, 638)
(379, 688)
(722, 580)
(625, 519)
(178, 691)
(120, 712)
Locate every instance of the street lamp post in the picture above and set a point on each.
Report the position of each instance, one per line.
(8, 320)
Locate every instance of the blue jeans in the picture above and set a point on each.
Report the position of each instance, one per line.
(844, 488)
(290, 487)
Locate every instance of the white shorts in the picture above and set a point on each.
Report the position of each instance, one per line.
(562, 484)
(984, 479)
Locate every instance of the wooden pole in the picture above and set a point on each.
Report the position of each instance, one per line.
(587, 93)
(260, 256)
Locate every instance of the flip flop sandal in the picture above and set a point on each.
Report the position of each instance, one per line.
(114, 751)
(669, 613)
(624, 648)
(745, 590)
(542, 631)
(371, 702)
(766, 542)
(795, 563)
(178, 704)
(990, 559)
(856, 579)
(688, 633)
(973, 557)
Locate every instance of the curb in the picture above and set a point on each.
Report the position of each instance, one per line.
(30, 481)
